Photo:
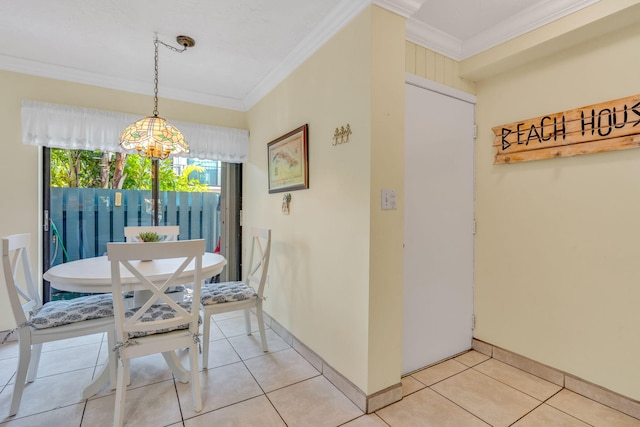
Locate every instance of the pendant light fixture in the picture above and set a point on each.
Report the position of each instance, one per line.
(154, 137)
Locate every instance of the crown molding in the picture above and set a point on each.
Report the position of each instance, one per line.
(434, 39)
(527, 20)
(404, 8)
(73, 75)
(328, 27)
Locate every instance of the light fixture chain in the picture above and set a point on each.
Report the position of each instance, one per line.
(155, 80)
(173, 48)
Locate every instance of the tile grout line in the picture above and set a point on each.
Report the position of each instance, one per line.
(551, 406)
(444, 379)
(175, 388)
(252, 376)
(455, 403)
(516, 389)
(275, 409)
(264, 393)
(467, 368)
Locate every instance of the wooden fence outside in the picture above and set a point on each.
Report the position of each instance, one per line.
(83, 220)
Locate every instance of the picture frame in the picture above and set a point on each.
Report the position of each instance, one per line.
(288, 161)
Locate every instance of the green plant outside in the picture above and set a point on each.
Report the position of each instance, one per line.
(83, 169)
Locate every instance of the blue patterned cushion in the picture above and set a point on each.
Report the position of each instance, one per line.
(59, 313)
(217, 293)
(158, 312)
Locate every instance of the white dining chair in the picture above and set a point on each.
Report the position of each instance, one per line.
(161, 324)
(230, 296)
(39, 323)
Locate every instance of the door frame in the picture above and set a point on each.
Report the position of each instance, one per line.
(421, 83)
(45, 221)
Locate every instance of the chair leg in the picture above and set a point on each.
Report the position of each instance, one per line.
(24, 358)
(206, 331)
(195, 378)
(127, 377)
(247, 320)
(36, 350)
(263, 338)
(121, 391)
(112, 361)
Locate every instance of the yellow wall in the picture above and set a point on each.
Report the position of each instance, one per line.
(387, 172)
(431, 65)
(557, 276)
(20, 171)
(336, 266)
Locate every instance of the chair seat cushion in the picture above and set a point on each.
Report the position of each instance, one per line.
(158, 312)
(65, 312)
(217, 293)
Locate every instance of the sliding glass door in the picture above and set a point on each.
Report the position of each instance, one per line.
(90, 196)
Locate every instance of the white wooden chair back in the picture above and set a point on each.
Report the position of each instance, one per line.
(170, 232)
(129, 256)
(248, 295)
(18, 275)
(259, 259)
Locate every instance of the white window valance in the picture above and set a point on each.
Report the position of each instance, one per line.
(65, 126)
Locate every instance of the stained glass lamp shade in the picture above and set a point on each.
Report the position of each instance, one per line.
(154, 137)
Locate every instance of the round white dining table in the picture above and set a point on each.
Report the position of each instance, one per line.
(93, 275)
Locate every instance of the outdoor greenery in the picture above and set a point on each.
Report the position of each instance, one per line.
(96, 169)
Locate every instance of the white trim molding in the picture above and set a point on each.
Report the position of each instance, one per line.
(329, 26)
(404, 8)
(529, 19)
(423, 83)
(438, 41)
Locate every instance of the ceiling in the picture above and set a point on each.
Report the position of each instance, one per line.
(244, 48)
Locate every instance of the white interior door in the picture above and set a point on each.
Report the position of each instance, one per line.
(438, 234)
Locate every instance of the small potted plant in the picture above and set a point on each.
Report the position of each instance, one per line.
(149, 236)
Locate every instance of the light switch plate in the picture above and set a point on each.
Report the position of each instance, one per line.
(388, 199)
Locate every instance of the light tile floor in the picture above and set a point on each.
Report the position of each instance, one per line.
(246, 387)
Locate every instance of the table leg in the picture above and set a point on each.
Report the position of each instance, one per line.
(98, 383)
(140, 297)
(103, 377)
(176, 367)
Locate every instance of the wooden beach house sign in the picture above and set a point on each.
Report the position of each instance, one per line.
(609, 126)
